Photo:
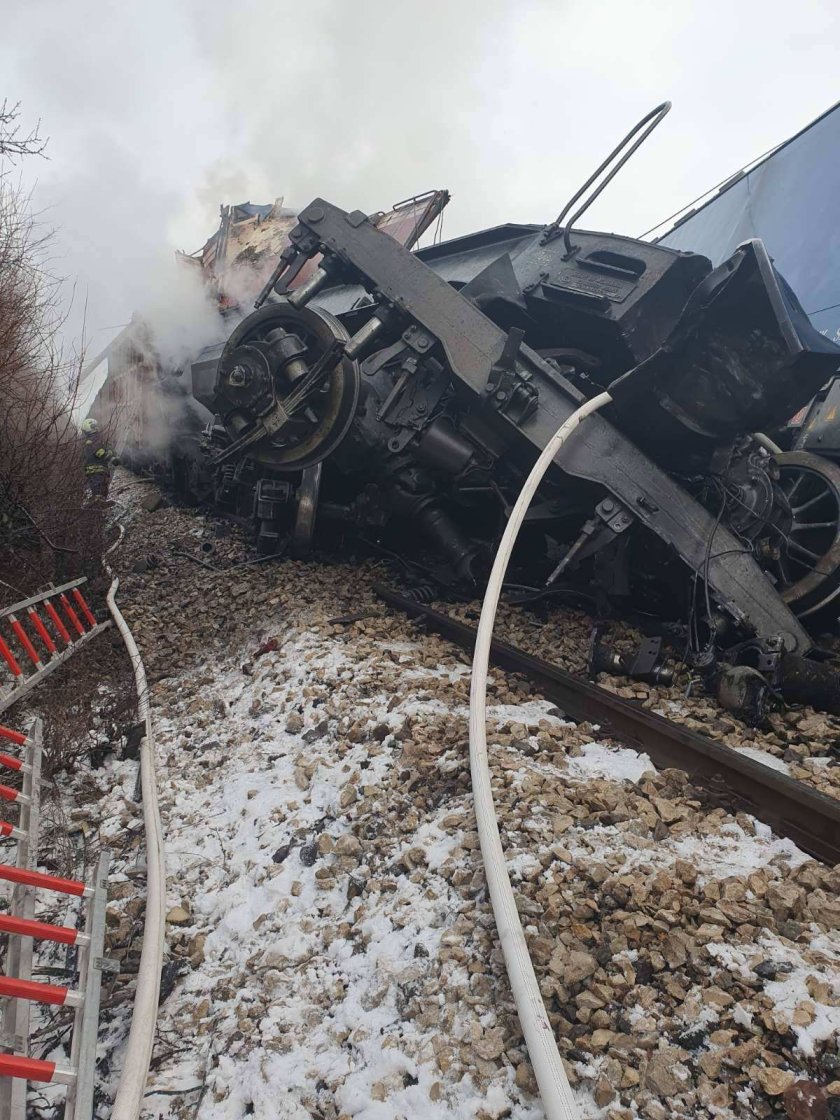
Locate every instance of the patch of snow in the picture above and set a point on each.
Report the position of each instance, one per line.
(733, 851)
(765, 758)
(323, 970)
(790, 989)
(621, 764)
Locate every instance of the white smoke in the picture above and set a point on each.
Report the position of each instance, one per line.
(181, 316)
(158, 110)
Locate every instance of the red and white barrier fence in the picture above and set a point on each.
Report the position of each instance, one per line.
(52, 636)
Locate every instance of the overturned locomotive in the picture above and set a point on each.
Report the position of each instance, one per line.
(397, 400)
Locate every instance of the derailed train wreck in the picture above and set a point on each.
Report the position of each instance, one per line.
(404, 399)
(400, 399)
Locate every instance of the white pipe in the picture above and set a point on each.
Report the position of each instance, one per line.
(553, 1083)
(138, 1051)
(767, 443)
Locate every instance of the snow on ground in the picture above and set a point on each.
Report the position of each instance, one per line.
(805, 996)
(310, 991)
(620, 764)
(332, 950)
(766, 759)
(302, 985)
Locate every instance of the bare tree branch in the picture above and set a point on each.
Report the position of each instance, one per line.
(45, 523)
(13, 144)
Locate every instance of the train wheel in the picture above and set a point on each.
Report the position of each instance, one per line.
(808, 568)
(307, 508)
(247, 383)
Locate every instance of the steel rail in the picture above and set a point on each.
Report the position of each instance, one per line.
(138, 1051)
(810, 818)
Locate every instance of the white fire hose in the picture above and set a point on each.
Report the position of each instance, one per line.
(553, 1083)
(138, 1051)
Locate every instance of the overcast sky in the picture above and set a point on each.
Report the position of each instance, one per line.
(158, 110)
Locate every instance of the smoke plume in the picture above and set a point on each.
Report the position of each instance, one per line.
(158, 110)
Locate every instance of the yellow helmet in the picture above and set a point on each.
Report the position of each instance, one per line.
(90, 426)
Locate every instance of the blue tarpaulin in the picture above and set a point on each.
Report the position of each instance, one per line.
(791, 200)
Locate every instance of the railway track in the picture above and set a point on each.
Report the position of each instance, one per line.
(810, 818)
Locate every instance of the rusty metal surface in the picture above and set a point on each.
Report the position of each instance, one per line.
(806, 816)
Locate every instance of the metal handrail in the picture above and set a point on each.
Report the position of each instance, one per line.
(655, 116)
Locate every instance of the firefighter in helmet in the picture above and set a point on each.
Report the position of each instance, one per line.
(99, 459)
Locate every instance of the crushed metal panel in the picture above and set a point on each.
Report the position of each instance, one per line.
(239, 258)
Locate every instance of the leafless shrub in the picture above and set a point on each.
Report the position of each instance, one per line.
(88, 710)
(49, 531)
(13, 144)
(44, 527)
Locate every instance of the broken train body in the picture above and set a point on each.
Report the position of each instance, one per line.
(400, 398)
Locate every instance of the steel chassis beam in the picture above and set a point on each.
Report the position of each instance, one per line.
(598, 452)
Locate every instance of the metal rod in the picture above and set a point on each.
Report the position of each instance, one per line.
(79, 1104)
(40, 931)
(36, 992)
(655, 116)
(32, 1069)
(29, 877)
